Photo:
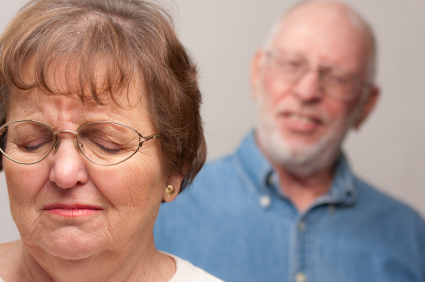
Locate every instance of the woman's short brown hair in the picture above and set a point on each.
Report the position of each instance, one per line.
(129, 38)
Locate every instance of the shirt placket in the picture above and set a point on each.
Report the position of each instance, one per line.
(297, 250)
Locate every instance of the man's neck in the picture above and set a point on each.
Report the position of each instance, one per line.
(303, 191)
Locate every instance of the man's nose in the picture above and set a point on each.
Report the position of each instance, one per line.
(68, 167)
(308, 87)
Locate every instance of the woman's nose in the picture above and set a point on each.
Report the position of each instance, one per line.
(68, 167)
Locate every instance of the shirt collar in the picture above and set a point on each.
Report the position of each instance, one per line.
(342, 190)
(262, 182)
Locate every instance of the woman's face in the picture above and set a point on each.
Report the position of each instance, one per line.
(69, 207)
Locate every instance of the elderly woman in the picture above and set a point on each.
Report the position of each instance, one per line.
(100, 124)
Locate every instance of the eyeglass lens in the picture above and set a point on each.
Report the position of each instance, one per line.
(104, 143)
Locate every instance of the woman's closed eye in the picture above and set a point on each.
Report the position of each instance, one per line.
(104, 146)
(33, 144)
(36, 144)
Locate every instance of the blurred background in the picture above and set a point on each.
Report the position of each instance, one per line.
(222, 36)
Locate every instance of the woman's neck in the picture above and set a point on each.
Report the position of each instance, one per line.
(136, 264)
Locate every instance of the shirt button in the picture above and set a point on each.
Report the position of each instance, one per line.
(300, 277)
(331, 209)
(265, 201)
(301, 225)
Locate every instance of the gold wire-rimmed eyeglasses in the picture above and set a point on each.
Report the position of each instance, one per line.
(102, 142)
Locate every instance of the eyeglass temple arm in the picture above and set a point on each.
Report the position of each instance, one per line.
(153, 136)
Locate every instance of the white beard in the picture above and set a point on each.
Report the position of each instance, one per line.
(302, 160)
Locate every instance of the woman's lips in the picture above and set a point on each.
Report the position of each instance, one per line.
(72, 210)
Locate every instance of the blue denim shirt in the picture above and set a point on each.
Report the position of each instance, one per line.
(235, 223)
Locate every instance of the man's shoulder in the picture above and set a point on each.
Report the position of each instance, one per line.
(219, 173)
(218, 166)
(246, 159)
(218, 191)
(375, 201)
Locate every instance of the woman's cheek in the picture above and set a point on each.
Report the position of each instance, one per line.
(25, 185)
(134, 183)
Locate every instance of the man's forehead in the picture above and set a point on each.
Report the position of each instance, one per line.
(326, 30)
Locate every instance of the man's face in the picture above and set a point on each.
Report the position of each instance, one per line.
(299, 125)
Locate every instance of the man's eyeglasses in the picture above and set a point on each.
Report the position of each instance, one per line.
(335, 81)
(102, 142)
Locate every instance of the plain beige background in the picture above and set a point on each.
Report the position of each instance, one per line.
(223, 35)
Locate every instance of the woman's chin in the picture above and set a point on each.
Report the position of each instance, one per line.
(68, 244)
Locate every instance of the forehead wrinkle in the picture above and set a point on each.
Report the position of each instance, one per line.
(27, 99)
(67, 111)
(94, 112)
(65, 108)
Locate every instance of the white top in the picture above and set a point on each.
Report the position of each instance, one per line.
(187, 272)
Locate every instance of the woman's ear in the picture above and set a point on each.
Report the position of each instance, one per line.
(172, 189)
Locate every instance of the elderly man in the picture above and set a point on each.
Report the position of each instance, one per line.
(286, 206)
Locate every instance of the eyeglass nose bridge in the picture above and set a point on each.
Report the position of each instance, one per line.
(317, 68)
(314, 68)
(57, 139)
